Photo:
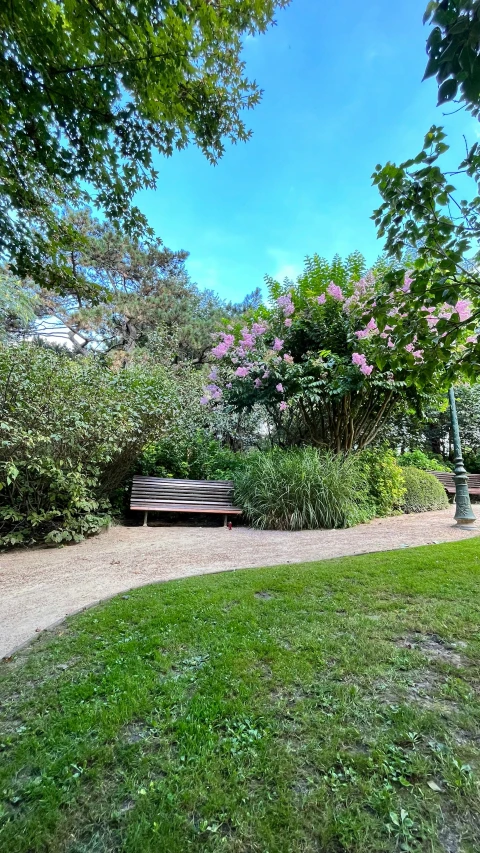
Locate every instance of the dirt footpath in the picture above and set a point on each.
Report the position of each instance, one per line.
(42, 586)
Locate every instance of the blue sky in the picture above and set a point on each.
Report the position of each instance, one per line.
(342, 92)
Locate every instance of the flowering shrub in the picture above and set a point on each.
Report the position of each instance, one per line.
(332, 354)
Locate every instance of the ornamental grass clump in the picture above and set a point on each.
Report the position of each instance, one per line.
(301, 489)
(423, 491)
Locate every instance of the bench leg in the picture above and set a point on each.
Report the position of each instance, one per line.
(145, 519)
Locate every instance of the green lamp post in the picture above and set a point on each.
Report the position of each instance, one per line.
(463, 508)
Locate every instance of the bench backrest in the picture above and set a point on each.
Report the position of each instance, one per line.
(158, 493)
(447, 478)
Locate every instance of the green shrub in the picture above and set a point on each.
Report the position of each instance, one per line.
(191, 457)
(385, 481)
(423, 491)
(422, 461)
(301, 489)
(71, 430)
(472, 461)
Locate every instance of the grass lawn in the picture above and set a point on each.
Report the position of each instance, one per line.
(331, 706)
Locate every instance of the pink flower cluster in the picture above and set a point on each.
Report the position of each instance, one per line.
(370, 329)
(212, 392)
(224, 346)
(361, 361)
(242, 372)
(247, 340)
(361, 291)
(464, 309)
(335, 292)
(285, 302)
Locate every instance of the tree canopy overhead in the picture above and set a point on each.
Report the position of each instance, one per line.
(144, 298)
(453, 49)
(88, 91)
(422, 216)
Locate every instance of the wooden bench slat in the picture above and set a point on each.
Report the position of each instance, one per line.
(141, 478)
(194, 508)
(160, 503)
(179, 492)
(226, 499)
(185, 484)
(201, 495)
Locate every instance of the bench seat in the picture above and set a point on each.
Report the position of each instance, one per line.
(163, 494)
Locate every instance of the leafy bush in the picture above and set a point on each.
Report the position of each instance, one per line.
(71, 429)
(422, 461)
(192, 457)
(385, 481)
(301, 489)
(423, 491)
(472, 462)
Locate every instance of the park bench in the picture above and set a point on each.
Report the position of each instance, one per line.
(448, 482)
(168, 495)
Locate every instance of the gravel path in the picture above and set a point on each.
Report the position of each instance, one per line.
(42, 586)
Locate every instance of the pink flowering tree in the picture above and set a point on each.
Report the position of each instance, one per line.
(332, 355)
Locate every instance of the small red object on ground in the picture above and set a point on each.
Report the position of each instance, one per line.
(229, 525)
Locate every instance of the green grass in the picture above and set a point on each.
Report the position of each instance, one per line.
(330, 707)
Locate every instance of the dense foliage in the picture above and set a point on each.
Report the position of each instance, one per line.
(423, 491)
(333, 355)
(300, 489)
(453, 50)
(71, 430)
(423, 461)
(18, 302)
(384, 479)
(88, 92)
(191, 456)
(422, 212)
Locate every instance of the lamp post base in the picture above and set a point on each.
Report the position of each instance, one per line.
(464, 515)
